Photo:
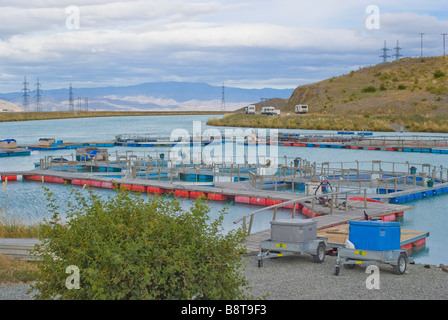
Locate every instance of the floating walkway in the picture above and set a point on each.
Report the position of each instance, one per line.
(414, 193)
(366, 141)
(18, 248)
(352, 146)
(60, 145)
(14, 152)
(342, 140)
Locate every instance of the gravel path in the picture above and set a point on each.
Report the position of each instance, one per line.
(299, 278)
(15, 292)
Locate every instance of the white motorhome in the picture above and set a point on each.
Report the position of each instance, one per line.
(301, 108)
(267, 110)
(250, 109)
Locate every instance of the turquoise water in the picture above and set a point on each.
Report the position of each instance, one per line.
(26, 199)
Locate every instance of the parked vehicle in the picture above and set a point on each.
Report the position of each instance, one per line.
(250, 109)
(301, 108)
(267, 110)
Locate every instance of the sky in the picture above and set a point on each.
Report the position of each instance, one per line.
(246, 43)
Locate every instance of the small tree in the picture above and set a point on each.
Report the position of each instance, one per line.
(128, 247)
(438, 73)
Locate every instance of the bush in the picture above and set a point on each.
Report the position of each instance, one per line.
(128, 248)
(438, 73)
(369, 89)
(401, 87)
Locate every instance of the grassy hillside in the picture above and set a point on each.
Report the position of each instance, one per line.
(411, 85)
(6, 106)
(411, 93)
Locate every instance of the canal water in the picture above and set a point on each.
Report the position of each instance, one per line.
(25, 200)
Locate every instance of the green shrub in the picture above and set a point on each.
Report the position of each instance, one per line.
(442, 89)
(130, 247)
(401, 87)
(368, 89)
(438, 73)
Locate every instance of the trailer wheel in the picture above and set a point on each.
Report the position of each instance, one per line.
(320, 253)
(402, 263)
(336, 270)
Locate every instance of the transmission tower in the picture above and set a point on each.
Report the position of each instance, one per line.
(79, 103)
(397, 54)
(38, 96)
(385, 56)
(86, 104)
(71, 105)
(421, 44)
(223, 100)
(26, 103)
(443, 35)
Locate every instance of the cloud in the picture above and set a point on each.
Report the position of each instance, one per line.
(249, 42)
(21, 18)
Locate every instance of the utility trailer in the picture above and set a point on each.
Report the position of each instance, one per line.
(293, 236)
(349, 258)
(374, 242)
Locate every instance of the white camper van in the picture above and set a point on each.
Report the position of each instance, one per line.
(301, 108)
(250, 109)
(267, 110)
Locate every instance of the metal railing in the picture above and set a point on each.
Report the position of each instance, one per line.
(333, 196)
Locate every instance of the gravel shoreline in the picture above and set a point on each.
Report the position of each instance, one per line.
(297, 277)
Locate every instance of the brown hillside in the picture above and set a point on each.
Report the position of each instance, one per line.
(410, 85)
(6, 106)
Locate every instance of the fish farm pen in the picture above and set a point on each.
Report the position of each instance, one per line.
(333, 193)
(394, 182)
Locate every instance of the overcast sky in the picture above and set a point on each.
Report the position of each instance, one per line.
(250, 44)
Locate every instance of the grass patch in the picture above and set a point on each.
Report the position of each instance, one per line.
(28, 116)
(379, 123)
(11, 227)
(16, 271)
(13, 270)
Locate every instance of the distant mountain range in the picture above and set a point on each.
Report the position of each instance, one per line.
(152, 96)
